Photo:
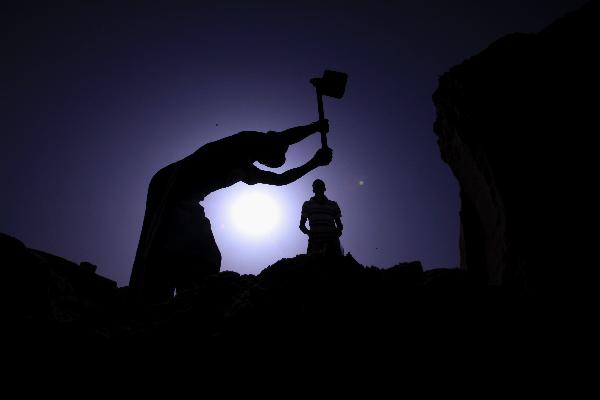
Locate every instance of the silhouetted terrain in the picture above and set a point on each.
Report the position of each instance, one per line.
(308, 298)
(515, 123)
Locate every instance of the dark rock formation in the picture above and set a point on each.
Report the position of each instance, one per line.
(53, 303)
(306, 302)
(306, 299)
(44, 287)
(517, 124)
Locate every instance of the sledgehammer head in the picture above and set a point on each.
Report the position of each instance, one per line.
(332, 84)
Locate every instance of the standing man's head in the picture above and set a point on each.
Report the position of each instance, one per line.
(272, 153)
(318, 187)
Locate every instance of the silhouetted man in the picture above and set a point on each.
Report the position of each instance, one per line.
(177, 247)
(325, 220)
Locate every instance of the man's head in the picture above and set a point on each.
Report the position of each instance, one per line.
(318, 187)
(272, 153)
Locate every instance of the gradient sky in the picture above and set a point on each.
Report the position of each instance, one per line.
(98, 97)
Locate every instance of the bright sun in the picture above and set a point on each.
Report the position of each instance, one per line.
(255, 214)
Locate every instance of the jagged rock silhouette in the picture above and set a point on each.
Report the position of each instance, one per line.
(515, 125)
(302, 299)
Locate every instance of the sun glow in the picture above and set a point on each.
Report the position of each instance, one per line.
(255, 214)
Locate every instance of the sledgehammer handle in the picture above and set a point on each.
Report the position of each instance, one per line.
(321, 117)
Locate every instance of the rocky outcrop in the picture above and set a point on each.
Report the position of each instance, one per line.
(517, 125)
(49, 296)
(296, 302)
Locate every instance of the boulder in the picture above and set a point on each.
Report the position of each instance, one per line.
(516, 123)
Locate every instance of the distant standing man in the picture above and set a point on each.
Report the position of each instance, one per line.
(325, 220)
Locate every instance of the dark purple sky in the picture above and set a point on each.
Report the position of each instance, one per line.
(96, 98)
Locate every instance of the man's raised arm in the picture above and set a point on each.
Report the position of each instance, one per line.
(255, 175)
(299, 133)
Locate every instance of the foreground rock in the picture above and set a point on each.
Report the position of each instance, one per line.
(296, 302)
(517, 124)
